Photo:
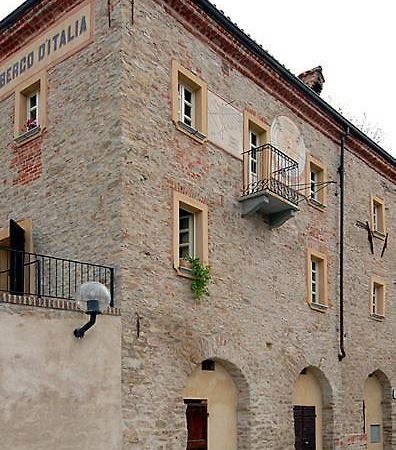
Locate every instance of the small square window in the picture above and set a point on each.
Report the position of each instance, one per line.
(190, 102)
(378, 216)
(375, 434)
(377, 298)
(317, 280)
(316, 182)
(190, 231)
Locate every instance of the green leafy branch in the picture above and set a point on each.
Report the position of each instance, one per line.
(202, 277)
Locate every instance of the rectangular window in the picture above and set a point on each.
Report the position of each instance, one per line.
(190, 231)
(189, 102)
(32, 104)
(187, 106)
(378, 216)
(186, 234)
(317, 279)
(377, 298)
(30, 109)
(316, 181)
(375, 434)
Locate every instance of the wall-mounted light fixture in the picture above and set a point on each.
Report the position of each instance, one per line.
(93, 298)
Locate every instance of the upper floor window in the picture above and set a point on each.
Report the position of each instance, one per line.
(190, 231)
(377, 298)
(187, 105)
(187, 238)
(378, 216)
(316, 183)
(189, 102)
(317, 280)
(30, 109)
(32, 104)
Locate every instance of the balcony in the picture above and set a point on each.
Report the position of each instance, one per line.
(23, 273)
(269, 187)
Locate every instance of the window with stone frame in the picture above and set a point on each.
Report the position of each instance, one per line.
(378, 217)
(377, 298)
(189, 102)
(317, 279)
(190, 231)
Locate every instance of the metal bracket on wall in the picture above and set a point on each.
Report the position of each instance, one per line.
(109, 12)
(370, 237)
(385, 245)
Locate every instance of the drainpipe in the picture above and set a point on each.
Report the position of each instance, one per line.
(341, 171)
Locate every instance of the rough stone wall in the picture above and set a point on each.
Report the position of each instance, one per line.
(256, 317)
(68, 180)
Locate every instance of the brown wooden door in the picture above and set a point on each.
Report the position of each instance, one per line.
(197, 424)
(304, 427)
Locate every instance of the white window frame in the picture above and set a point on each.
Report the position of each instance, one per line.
(315, 282)
(313, 194)
(253, 176)
(183, 103)
(35, 108)
(376, 213)
(191, 230)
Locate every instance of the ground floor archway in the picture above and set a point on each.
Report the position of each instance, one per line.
(211, 398)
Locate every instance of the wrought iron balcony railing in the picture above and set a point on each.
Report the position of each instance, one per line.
(269, 169)
(26, 273)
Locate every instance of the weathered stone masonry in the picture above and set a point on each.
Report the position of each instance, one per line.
(98, 185)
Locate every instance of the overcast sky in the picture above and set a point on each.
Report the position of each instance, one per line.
(352, 40)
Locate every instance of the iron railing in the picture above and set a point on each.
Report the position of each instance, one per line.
(267, 168)
(46, 276)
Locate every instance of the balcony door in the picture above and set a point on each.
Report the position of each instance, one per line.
(254, 161)
(197, 424)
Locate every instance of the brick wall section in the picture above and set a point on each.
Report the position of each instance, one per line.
(26, 161)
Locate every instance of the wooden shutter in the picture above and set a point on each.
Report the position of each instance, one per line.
(197, 424)
(17, 246)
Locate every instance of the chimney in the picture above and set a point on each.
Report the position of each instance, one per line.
(313, 78)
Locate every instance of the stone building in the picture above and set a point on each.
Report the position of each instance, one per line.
(139, 133)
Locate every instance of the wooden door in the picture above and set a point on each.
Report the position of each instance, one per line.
(197, 424)
(17, 257)
(304, 427)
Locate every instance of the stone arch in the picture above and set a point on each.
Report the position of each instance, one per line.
(378, 380)
(242, 398)
(316, 389)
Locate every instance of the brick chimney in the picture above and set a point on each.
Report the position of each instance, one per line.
(313, 78)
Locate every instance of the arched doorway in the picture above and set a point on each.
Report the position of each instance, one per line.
(374, 414)
(312, 411)
(211, 399)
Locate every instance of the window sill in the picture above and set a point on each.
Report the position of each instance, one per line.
(28, 136)
(379, 235)
(192, 132)
(318, 307)
(377, 317)
(316, 204)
